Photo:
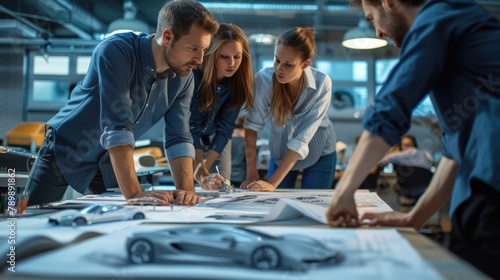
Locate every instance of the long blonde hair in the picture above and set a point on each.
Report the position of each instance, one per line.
(240, 84)
(301, 39)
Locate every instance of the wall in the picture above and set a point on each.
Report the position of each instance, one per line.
(11, 88)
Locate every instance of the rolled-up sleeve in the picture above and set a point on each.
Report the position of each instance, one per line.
(113, 65)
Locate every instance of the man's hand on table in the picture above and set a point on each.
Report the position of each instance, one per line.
(162, 198)
(186, 197)
(393, 219)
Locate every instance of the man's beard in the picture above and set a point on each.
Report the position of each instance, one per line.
(396, 27)
(175, 65)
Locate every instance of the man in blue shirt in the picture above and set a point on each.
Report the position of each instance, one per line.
(133, 81)
(449, 49)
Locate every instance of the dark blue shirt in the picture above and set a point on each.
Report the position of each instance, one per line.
(120, 98)
(452, 52)
(219, 122)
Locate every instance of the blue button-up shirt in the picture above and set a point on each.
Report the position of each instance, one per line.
(451, 51)
(120, 98)
(310, 132)
(218, 122)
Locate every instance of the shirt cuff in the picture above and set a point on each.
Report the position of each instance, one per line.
(299, 147)
(197, 142)
(180, 150)
(114, 138)
(249, 125)
(219, 143)
(383, 126)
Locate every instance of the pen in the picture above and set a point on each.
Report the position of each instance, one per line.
(172, 205)
(225, 186)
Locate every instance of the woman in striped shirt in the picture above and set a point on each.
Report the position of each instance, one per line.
(296, 98)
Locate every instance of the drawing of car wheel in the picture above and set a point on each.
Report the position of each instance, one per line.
(138, 216)
(79, 222)
(141, 251)
(265, 257)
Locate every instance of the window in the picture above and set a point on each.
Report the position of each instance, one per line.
(49, 80)
(355, 71)
(351, 85)
(82, 64)
(52, 65)
(383, 68)
(50, 91)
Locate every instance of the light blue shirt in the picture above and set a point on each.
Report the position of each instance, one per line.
(452, 53)
(310, 132)
(120, 98)
(409, 157)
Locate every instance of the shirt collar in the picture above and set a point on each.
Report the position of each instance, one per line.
(147, 58)
(309, 78)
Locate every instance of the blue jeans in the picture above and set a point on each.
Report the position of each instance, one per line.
(46, 183)
(318, 176)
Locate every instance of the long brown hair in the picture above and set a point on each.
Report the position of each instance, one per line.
(301, 39)
(240, 84)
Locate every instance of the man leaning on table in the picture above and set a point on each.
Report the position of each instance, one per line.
(133, 81)
(449, 49)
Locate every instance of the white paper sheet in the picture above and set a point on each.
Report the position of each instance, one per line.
(264, 207)
(369, 254)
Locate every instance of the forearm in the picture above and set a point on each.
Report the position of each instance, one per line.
(122, 160)
(211, 157)
(438, 192)
(182, 170)
(198, 157)
(368, 152)
(285, 166)
(251, 152)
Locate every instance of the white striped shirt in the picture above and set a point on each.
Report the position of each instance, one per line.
(310, 133)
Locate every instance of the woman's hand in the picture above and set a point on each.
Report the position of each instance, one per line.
(248, 181)
(260, 186)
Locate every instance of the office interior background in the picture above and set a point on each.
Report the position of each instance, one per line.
(45, 47)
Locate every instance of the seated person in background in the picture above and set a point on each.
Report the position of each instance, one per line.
(294, 97)
(238, 160)
(133, 81)
(223, 84)
(408, 154)
(341, 161)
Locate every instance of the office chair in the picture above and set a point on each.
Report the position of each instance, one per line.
(26, 134)
(412, 183)
(370, 182)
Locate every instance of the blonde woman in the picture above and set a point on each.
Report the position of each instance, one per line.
(296, 97)
(223, 85)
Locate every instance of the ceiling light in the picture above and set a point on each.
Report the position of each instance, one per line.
(363, 37)
(128, 23)
(262, 39)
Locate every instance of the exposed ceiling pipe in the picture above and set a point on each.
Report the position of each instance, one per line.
(52, 41)
(45, 33)
(72, 18)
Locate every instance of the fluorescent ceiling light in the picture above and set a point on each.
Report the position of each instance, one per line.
(262, 39)
(363, 37)
(128, 23)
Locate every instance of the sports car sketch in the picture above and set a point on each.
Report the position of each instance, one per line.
(96, 214)
(226, 244)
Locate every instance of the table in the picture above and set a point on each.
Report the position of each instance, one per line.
(444, 262)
